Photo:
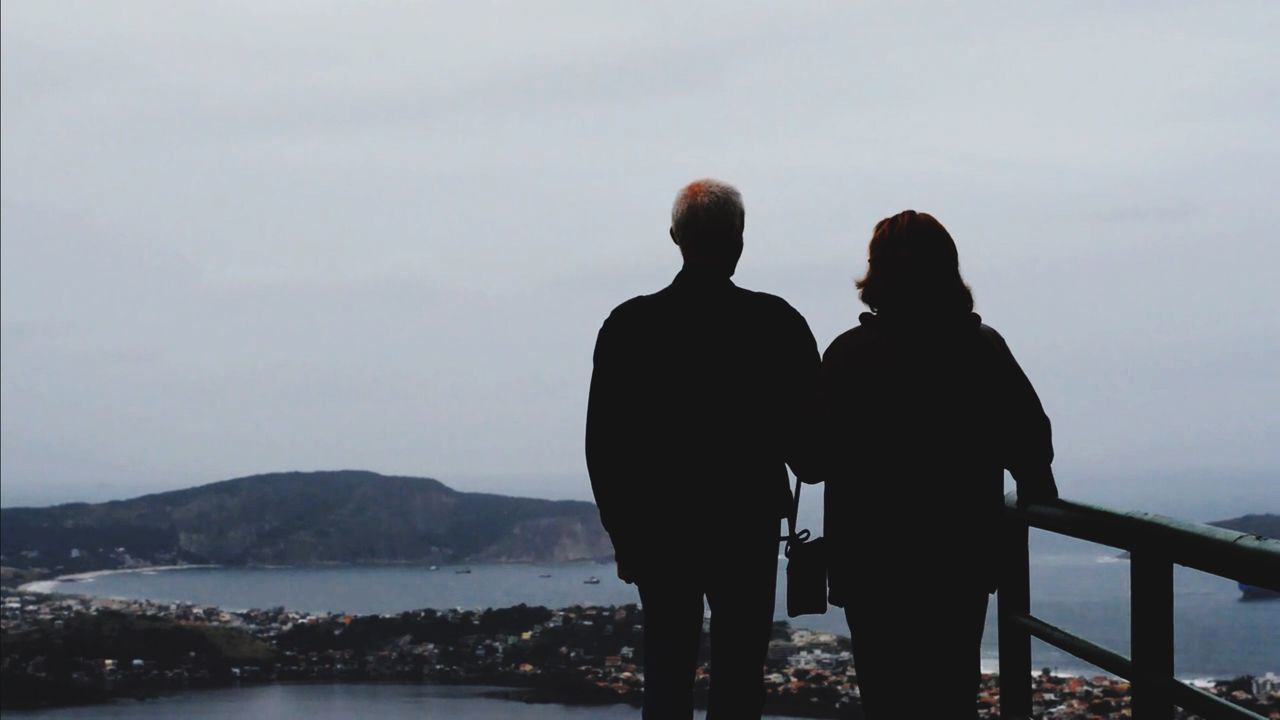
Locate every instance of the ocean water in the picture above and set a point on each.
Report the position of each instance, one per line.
(1081, 587)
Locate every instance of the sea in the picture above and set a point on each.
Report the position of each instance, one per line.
(1078, 586)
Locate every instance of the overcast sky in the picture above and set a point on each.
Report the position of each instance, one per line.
(251, 236)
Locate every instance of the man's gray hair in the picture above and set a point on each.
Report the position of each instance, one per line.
(706, 208)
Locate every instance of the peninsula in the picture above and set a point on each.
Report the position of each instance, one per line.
(299, 518)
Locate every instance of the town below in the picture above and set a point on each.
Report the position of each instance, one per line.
(65, 650)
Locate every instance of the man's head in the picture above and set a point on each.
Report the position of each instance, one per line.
(706, 222)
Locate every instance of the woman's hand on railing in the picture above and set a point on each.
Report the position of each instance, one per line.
(1037, 495)
(1036, 487)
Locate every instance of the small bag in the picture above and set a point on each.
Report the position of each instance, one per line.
(806, 567)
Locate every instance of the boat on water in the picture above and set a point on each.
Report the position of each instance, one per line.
(433, 568)
(462, 571)
(1253, 592)
(545, 575)
(593, 580)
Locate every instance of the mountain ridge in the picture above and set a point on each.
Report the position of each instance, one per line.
(1264, 524)
(295, 518)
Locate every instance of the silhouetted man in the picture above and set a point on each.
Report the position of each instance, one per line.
(698, 401)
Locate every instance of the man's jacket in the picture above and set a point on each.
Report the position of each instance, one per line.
(700, 397)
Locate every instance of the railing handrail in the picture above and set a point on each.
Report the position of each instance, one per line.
(1243, 557)
(1156, 543)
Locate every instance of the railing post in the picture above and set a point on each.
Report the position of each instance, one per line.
(1015, 642)
(1151, 613)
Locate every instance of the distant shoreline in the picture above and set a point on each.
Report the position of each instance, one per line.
(49, 586)
(45, 587)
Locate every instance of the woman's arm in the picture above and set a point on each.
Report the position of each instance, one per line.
(1026, 434)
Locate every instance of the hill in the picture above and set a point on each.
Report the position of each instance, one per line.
(1266, 525)
(295, 518)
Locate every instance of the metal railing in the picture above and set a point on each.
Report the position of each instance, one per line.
(1155, 544)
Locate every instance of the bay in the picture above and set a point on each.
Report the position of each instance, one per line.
(1081, 587)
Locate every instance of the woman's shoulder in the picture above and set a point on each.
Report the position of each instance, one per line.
(855, 339)
(991, 335)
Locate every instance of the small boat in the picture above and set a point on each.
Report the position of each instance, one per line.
(545, 575)
(433, 568)
(462, 571)
(593, 580)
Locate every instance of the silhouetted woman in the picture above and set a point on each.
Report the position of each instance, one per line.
(923, 408)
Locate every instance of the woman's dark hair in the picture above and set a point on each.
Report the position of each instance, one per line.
(913, 269)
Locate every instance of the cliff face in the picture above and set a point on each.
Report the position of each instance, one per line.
(545, 538)
(302, 518)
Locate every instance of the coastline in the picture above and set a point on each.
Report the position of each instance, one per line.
(46, 586)
(81, 585)
(34, 585)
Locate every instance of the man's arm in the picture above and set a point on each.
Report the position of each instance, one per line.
(605, 437)
(801, 369)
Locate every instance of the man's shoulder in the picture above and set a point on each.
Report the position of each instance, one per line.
(767, 303)
(765, 306)
(637, 306)
(633, 317)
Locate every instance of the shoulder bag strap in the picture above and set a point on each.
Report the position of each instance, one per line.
(793, 536)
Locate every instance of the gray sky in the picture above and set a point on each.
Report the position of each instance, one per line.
(251, 236)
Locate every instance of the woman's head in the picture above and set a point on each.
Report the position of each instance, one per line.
(913, 269)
